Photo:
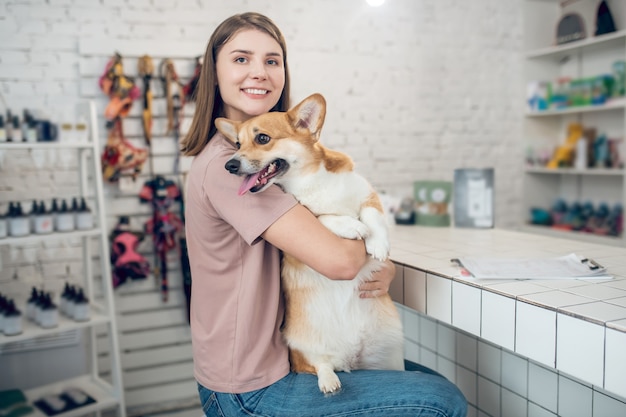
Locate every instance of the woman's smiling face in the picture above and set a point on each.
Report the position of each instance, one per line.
(250, 73)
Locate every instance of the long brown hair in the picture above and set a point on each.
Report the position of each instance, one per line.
(208, 98)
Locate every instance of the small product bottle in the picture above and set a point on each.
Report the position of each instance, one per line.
(34, 209)
(66, 298)
(80, 131)
(84, 216)
(69, 302)
(3, 131)
(49, 314)
(31, 305)
(19, 224)
(29, 127)
(3, 225)
(12, 321)
(81, 307)
(43, 220)
(64, 219)
(9, 126)
(3, 306)
(17, 130)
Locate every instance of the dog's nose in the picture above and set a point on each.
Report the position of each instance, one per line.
(232, 166)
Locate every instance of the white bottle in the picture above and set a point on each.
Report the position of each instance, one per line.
(81, 307)
(581, 154)
(48, 314)
(65, 219)
(84, 216)
(12, 322)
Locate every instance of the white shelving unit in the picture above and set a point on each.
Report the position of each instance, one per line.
(107, 395)
(547, 129)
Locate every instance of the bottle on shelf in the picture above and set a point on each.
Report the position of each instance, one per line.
(17, 130)
(3, 132)
(84, 216)
(81, 132)
(31, 305)
(9, 126)
(81, 307)
(64, 219)
(19, 224)
(66, 298)
(43, 220)
(29, 127)
(48, 314)
(3, 225)
(12, 320)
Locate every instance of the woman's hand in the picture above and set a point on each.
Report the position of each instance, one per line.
(379, 283)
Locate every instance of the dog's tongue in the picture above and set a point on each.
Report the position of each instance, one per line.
(248, 183)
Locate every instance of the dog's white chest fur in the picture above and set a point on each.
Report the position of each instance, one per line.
(329, 193)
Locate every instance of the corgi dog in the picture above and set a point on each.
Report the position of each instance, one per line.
(327, 326)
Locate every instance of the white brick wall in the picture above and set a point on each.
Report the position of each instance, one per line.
(414, 88)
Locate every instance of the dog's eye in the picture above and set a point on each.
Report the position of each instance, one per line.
(262, 139)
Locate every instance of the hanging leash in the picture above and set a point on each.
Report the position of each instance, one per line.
(146, 68)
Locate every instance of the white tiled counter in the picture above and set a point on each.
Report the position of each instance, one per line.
(574, 326)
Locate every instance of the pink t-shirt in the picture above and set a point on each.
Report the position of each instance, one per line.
(237, 306)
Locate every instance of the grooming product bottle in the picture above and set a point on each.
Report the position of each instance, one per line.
(66, 298)
(43, 220)
(3, 131)
(17, 130)
(3, 306)
(80, 131)
(49, 314)
(12, 321)
(19, 224)
(29, 127)
(81, 307)
(64, 219)
(84, 216)
(3, 225)
(9, 126)
(31, 305)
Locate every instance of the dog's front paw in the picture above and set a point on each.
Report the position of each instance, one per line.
(345, 226)
(328, 381)
(378, 248)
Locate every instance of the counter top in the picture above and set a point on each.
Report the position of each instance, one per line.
(577, 326)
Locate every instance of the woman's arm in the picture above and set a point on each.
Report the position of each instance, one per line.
(300, 234)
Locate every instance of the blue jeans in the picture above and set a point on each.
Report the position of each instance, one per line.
(419, 392)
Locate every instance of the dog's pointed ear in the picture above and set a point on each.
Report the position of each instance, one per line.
(228, 128)
(309, 115)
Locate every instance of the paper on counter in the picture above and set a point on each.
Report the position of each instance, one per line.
(565, 267)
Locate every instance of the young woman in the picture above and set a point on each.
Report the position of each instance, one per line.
(240, 360)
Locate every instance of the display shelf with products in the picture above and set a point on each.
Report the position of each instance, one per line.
(574, 126)
(88, 393)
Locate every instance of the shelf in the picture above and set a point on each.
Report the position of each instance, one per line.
(31, 330)
(566, 234)
(573, 171)
(609, 105)
(35, 238)
(45, 145)
(98, 389)
(558, 52)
